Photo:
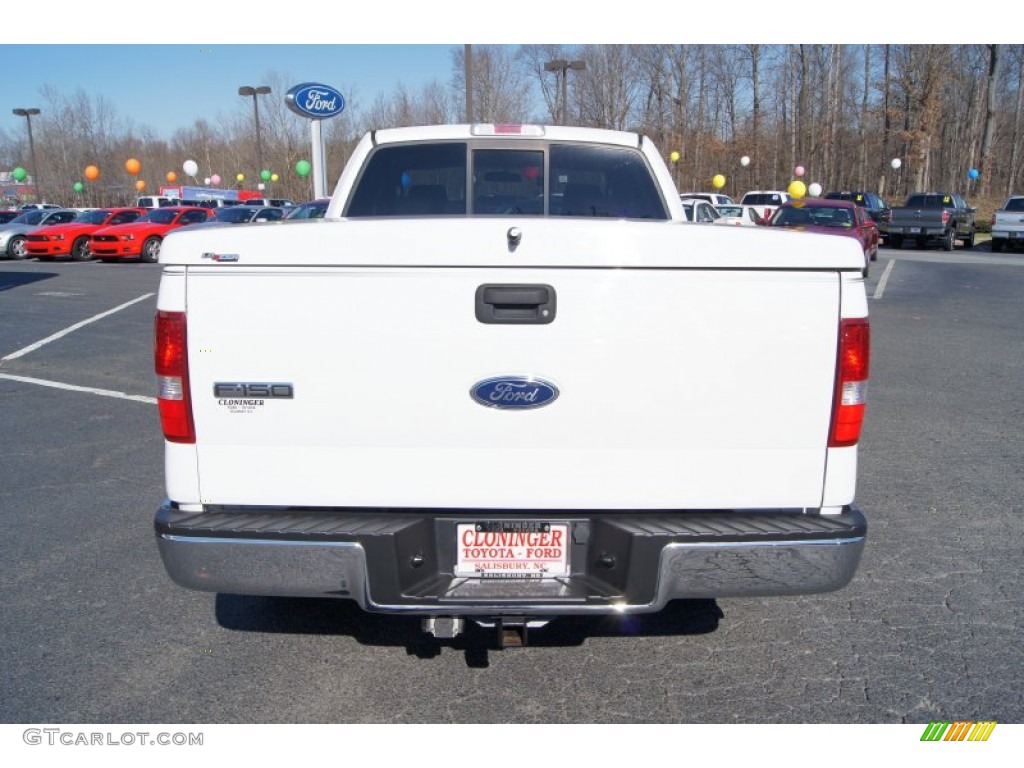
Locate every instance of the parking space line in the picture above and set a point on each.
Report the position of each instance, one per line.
(880, 288)
(76, 388)
(71, 328)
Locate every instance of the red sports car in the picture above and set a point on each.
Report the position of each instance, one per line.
(72, 239)
(831, 217)
(142, 238)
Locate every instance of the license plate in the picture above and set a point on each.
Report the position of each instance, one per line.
(915, 230)
(512, 550)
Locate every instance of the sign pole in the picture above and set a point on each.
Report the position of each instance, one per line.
(316, 102)
(319, 155)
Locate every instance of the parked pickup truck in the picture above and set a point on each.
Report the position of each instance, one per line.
(927, 217)
(1008, 224)
(503, 380)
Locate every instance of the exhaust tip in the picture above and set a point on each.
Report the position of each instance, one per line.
(443, 627)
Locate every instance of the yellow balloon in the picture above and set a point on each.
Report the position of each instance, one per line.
(797, 189)
(719, 181)
(674, 157)
(240, 177)
(274, 177)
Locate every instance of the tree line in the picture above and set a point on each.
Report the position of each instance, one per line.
(843, 112)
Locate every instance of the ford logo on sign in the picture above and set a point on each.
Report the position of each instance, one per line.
(315, 101)
(514, 392)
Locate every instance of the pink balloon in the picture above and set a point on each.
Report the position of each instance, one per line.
(799, 170)
(215, 179)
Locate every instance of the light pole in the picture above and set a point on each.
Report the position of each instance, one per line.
(248, 90)
(27, 114)
(562, 67)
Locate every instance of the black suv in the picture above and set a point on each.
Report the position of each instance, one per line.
(874, 205)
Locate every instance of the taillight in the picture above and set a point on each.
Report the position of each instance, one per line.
(851, 382)
(945, 216)
(171, 363)
(992, 222)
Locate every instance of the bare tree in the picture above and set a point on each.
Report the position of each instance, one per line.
(501, 89)
(608, 91)
(985, 164)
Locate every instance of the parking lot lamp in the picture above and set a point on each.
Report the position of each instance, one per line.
(27, 114)
(248, 90)
(562, 67)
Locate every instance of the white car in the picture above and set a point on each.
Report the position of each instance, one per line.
(766, 201)
(700, 211)
(715, 198)
(737, 215)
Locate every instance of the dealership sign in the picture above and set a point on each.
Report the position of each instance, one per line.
(315, 101)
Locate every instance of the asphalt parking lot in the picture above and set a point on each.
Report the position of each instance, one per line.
(930, 628)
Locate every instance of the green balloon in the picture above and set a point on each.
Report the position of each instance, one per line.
(78, 187)
(265, 174)
(19, 174)
(303, 168)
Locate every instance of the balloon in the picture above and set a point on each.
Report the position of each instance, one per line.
(19, 174)
(240, 178)
(274, 177)
(92, 173)
(206, 181)
(190, 167)
(797, 189)
(215, 179)
(140, 185)
(896, 162)
(744, 161)
(799, 170)
(973, 174)
(814, 190)
(718, 181)
(171, 177)
(265, 174)
(78, 187)
(303, 168)
(674, 157)
(133, 166)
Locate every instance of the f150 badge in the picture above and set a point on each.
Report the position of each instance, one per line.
(246, 397)
(514, 392)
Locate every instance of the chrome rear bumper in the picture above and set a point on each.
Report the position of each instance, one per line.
(398, 561)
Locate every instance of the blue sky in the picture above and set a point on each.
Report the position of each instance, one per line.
(169, 86)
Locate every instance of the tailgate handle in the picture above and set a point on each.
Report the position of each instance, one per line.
(515, 304)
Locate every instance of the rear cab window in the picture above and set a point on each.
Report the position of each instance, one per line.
(763, 199)
(460, 178)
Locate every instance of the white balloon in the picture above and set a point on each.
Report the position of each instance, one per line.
(814, 190)
(190, 167)
(744, 161)
(896, 162)
(206, 181)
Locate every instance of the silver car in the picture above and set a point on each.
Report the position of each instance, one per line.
(14, 232)
(241, 214)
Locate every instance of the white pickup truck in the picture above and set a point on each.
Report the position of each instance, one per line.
(503, 380)
(1008, 224)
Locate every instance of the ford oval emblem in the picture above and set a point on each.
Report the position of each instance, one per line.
(314, 100)
(514, 392)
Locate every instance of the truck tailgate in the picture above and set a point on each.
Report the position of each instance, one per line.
(678, 387)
